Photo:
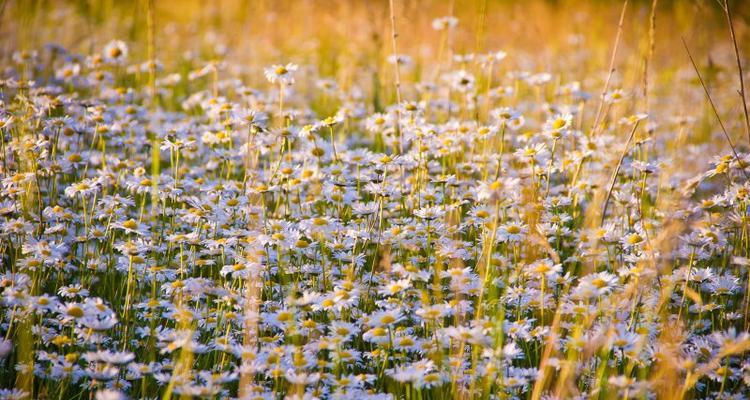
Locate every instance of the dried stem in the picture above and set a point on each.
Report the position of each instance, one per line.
(397, 70)
(713, 106)
(599, 110)
(613, 179)
(151, 23)
(649, 53)
(728, 14)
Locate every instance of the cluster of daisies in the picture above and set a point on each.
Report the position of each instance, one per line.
(498, 233)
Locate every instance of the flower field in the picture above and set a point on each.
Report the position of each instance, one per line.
(401, 199)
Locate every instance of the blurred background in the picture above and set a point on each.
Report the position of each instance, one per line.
(336, 34)
(349, 41)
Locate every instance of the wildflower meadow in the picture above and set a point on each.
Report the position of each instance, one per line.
(386, 199)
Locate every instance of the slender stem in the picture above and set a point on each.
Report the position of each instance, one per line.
(611, 69)
(617, 171)
(151, 26)
(741, 164)
(333, 145)
(728, 14)
(397, 70)
(649, 53)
